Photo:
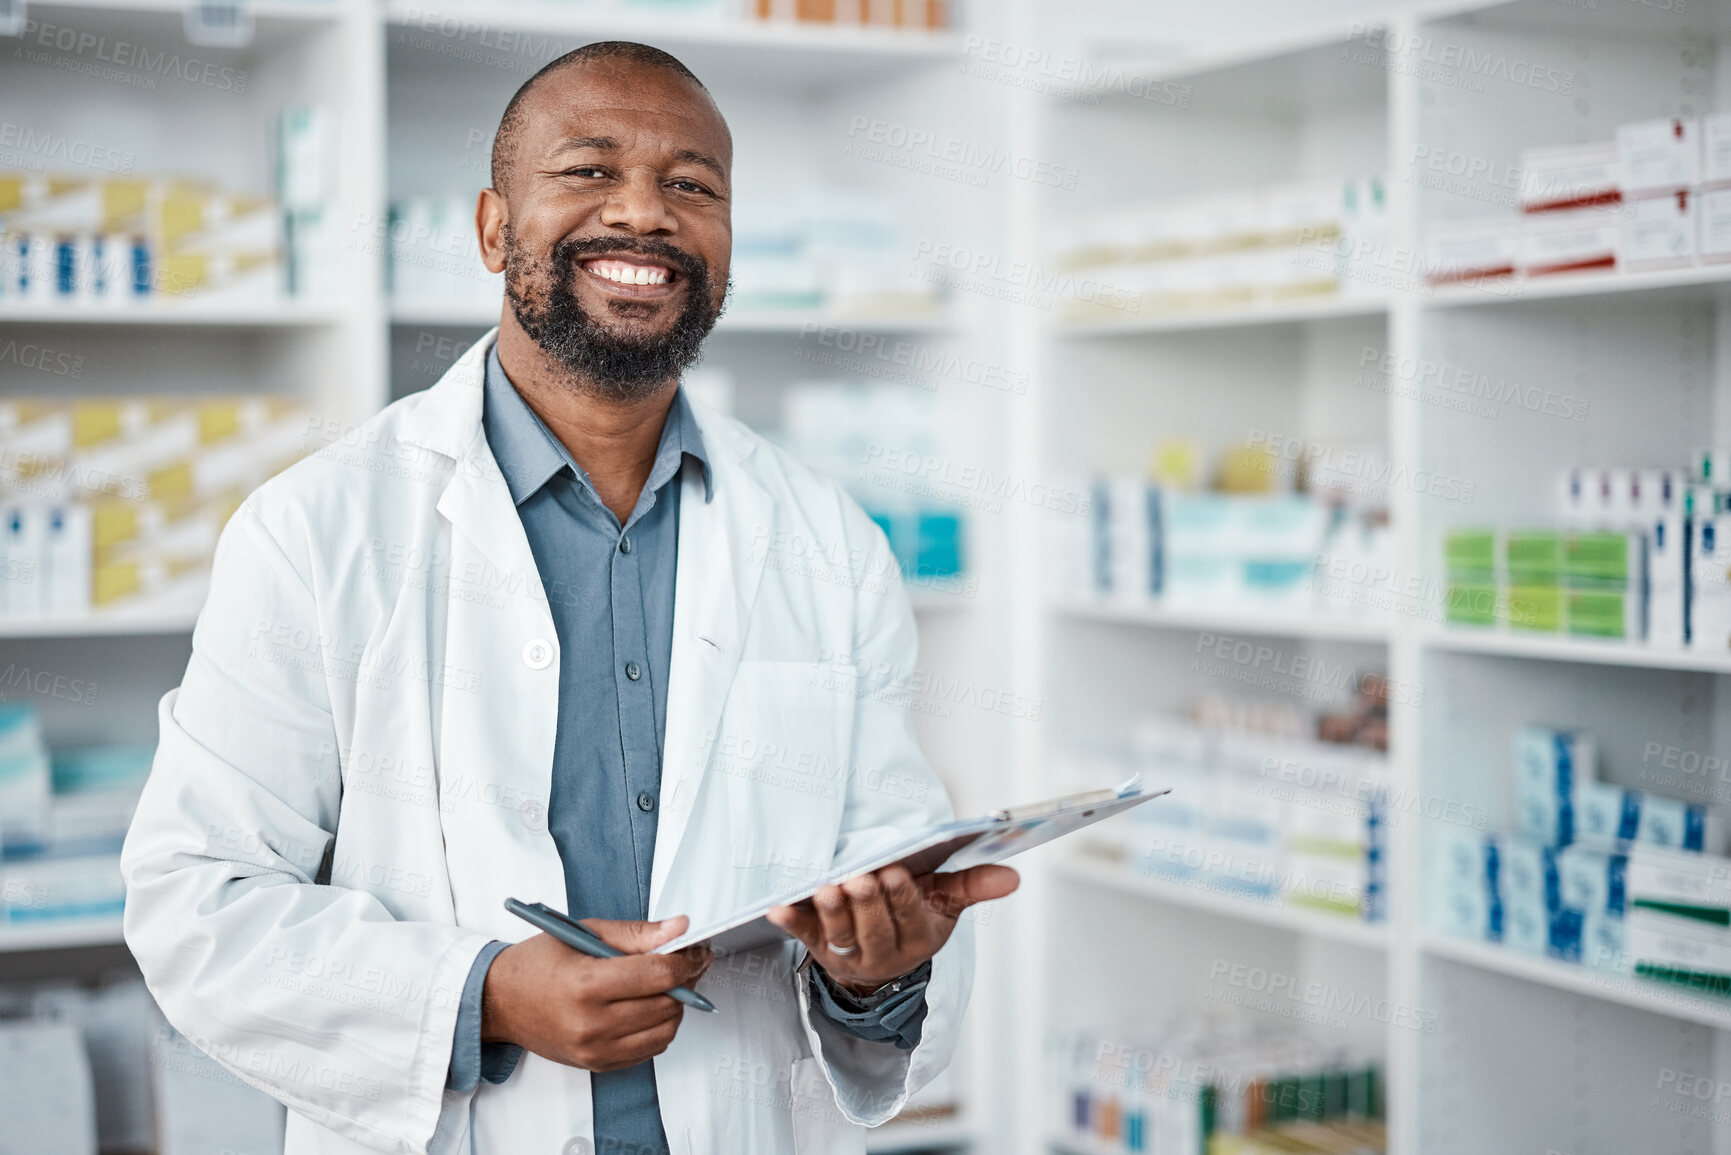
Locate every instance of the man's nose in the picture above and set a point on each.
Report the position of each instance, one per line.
(638, 205)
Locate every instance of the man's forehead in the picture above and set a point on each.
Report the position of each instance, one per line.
(627, 102)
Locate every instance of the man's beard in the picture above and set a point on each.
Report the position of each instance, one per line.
(617, 366)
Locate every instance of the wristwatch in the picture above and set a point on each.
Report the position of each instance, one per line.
(863, 1004)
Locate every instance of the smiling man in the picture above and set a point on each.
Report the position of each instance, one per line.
(555, 632)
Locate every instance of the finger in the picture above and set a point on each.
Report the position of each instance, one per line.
(906, 909)
(628, 1016)
(646, 1044)
(639, 976)
(835, 918)
(799, 920)
(635, 937)
(950, 894)
(873, 929)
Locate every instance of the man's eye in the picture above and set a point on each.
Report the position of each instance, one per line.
(587, 170)
(689, 186)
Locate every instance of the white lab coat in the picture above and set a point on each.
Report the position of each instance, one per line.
(354, 775)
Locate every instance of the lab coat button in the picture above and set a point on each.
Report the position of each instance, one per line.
(538, 654)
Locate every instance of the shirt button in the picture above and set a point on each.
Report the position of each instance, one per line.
(633, 671)
(538, 654)
(646, 802)
(624, 545)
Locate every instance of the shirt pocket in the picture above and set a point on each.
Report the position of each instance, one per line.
(783, 752)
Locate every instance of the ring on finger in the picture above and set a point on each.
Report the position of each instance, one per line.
(841, 951)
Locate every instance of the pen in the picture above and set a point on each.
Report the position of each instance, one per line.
(562, 928)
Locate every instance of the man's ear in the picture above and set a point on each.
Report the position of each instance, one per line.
(492, 215)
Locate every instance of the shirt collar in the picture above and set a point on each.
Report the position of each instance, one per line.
(529, 455)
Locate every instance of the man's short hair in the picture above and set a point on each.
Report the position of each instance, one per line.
(510, 124)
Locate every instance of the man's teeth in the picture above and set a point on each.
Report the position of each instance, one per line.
(623, 274)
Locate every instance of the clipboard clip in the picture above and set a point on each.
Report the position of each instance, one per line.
(1131, 786)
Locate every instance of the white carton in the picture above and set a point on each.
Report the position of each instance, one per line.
(1715, 151)
(1569, 241)
(1569, 176)
(1670, 876)
(1679, 943)
(1658, 156)
(1465, 250)
(1658, 232)
(1713, 222)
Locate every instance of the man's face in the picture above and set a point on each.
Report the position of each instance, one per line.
(619, 235)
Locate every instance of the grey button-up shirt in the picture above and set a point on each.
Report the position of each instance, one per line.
(610, 588)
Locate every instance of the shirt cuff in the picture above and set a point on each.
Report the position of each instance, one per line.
(896, 1014)
(473, 1061)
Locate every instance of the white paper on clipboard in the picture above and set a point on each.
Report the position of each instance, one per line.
(948, 846)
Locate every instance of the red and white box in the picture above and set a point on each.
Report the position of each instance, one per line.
(1657, 232)
(1570, 177)
(1655, 157)
(1569, 241)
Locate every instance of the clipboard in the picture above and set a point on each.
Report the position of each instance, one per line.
(952, 846)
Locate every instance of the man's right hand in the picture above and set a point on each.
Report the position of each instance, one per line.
(600, 1014)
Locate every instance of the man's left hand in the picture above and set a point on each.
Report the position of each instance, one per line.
(875, 928)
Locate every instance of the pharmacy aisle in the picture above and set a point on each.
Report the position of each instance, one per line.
(1396, 403)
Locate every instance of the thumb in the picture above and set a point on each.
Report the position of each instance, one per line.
(634, 937)
(953, 893)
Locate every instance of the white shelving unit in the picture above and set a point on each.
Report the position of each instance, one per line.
(1523, 1054)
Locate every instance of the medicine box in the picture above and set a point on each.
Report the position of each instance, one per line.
(1569, 240)
(1466, 250)
(1658, 232)
(1715, 151)
(1571, 176)
(1713, 220)
(1658, 156)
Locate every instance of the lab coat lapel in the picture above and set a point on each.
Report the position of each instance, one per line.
(715, 585)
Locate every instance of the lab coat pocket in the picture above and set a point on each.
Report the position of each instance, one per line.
(783, 750)
(819, 1128)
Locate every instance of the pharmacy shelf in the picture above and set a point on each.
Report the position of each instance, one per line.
(1504, 291)
(51, 934)
(1335, 928)
(769, 52)
(1276, 313)
(284, 10)
(1082, 1145)
(935, 601)
(485, 315)
(1642, 994)
(1227, 622)
(935, 1134)
(177, 619)
(1554, 648)
(194, 312)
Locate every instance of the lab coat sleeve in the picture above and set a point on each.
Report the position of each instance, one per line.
(891, 788)
(317, 994)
